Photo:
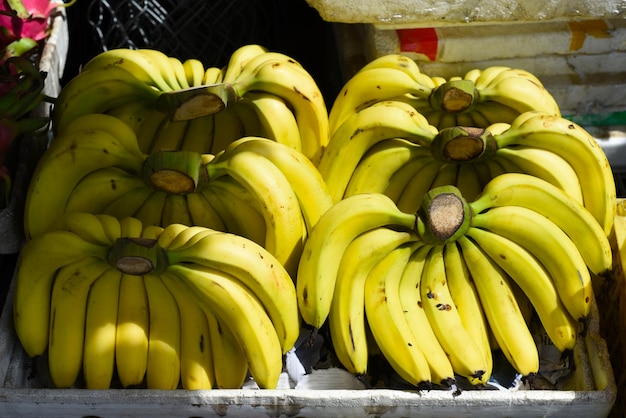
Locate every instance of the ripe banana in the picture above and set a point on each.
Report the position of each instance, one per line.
(390, 329)
(519, 90)
(145, 67)
(371, 86)
(240, 58)
(196, 356)
(553, 203)
(544, 164)
(277, 120)
(501, 309)
(362, 130)
(194, 71)
(233, 304)
(552, 247)
(281, 208)
(69, 158)
(327, 242)
(68, 306)
(379, 164)
(281, 75)
(467, 303)
(229, 360)
(164, 339)
(526, 271)
(346, 316)
(38, 262)
(237, 200)
(255, 268)
(133, 330)
(304, 178)
(98, 91)
(441, 371)
(579, 148)
(100, 329)
(466, 356)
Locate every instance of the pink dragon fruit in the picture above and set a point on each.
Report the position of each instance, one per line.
(31, 21)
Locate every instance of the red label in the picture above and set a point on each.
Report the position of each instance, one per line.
(422, 41)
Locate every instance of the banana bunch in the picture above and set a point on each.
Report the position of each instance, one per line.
(174, 105)
(258, 188)
(389, 148)
(154, 307)
(479, 98)
(434, 286)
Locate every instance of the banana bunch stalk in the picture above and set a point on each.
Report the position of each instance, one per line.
(174, 105)
(157, 307)
(389, 148)
(435, 285)
(258, 188)
(479, 98)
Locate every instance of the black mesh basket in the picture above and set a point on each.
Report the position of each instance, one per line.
(207, 30)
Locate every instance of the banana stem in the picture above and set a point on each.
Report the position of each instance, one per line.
(462, 144)
(196, 102)
(444, 216)
(174, 172)
(137, 256)
(454, 96)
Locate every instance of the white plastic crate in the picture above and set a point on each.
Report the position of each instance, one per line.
(415, 13)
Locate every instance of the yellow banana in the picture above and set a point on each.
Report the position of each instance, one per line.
(277, 120)
(179, 72)
(281, 208)
(196, 356)
(579, 148)
(99, 188)
(441, 371)
(571, 216)
(194, 71)
(380, 163)
(98, 91)
(199, 135)
(468, 304)
(229, 360)
(38, 261)
(390, 329)
(143, 66)
(501, 309)
(531, 277)
(364, 129)
(133, 330)
(346, 316)
(68, 306)
(552, 247)
(202, 213)
(544, 164)
(240, 58)
(327, 242)
(164, 340)
(100, 329)
(304, 178)
(368, 87)
(244, 207)
(286, 78)
(466, 356)
(68, 159)
(235, 305)
(255, 268)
